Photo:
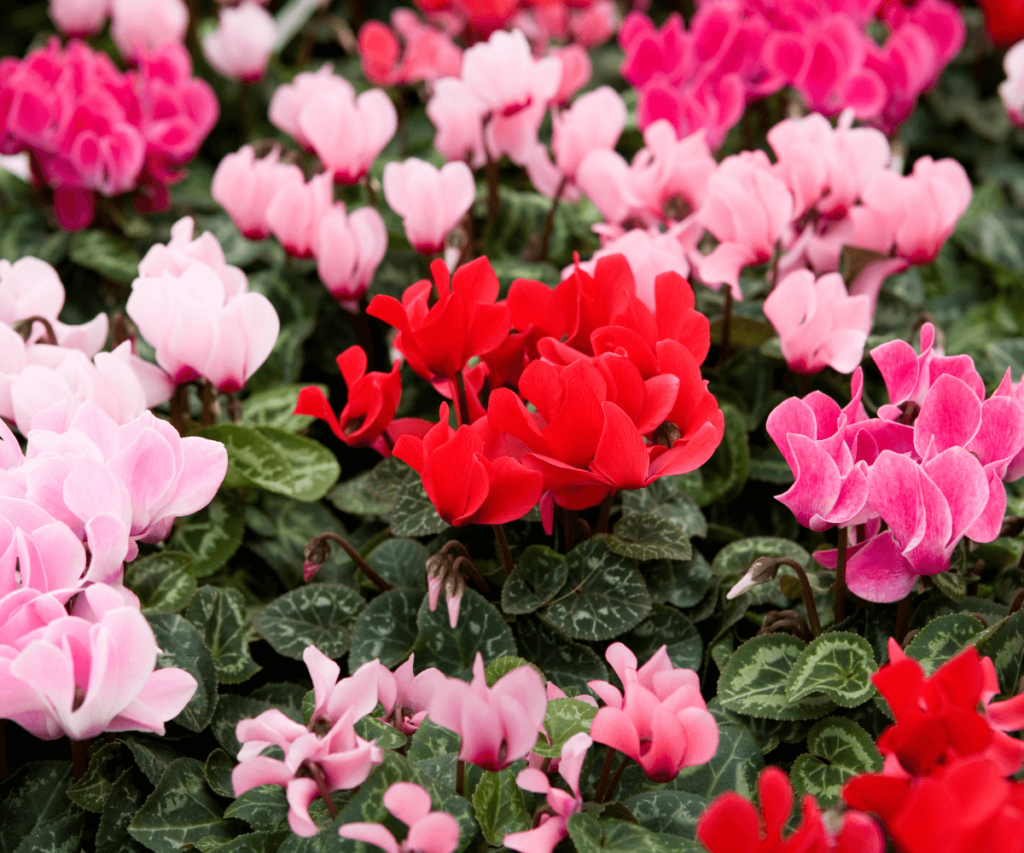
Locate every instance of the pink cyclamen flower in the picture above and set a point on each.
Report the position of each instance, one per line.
(552, 827)
(348, 132)
(79, 18)
(203, 323)
(819, 324)
(37, 551)
(359, 692)
(1011, 90)
(497, 725)
(660, 719)
(242, 43)
(184, 251)
(431, 201)
(746, 208)
(296, 211)
(429, 831)
(457, 114)
(290, 99)
(350, 247)
(81, 677)
(142, 26)
(245, 186)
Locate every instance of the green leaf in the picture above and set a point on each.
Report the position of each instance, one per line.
(124, 799)
(353, 497)
(105, 766)
(736, 557)
(480, 629)
(265, 841)
(540, 573)
(386, 629)
(211, 536)
(735, 767)
(321, 615)
(284, 364)
(272, 459)
(569, 665)
(264, 807)
(35, 812)
(180, 811)
(725, 473)
(233, 707)
(182, 646)
(219, 616)
(837, 664)
(603, 597)
(414, 514)
(401, 562)
(503, 666)
(838, 749)
(650, 536)
(666, 626)
(617, 836)
(951, 584)
(218, 772)
(665, 496)
(1004, 643)
(111, 256)
(564, 718)
(500, 807)
(754, 681)
(432, 741)
(275, 408)
(162, 581)
(673, 812)
(153, 755)
(691, 580)
(387, 737)
(942, 639)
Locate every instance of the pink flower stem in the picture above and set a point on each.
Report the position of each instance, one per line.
(904, 610)
(503, 549)
(549, 223)
(726, 335)
(79, 757)
(840, 602)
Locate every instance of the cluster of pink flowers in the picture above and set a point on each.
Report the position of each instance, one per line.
(196, 311)
(930, 466)
(91, 129)
(734, 53)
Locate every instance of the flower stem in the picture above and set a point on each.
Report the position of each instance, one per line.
(79, 757)
(465, 564)
(904, 610)
(461, 400)
(503, 549)
(356, 558)
(840, 603)
(24, 327)
(549, 222)
(209, 415)
(321, 781)
(615, 779)
(602, 782)
(726, 337)
(460, 777)
(179, 407)
(604, 513)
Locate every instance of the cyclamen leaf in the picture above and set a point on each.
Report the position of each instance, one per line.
(1004, 643)
(414, 514)
(35, 811)
(263, 808)
(735, 766)
(499, 806)
(725, 473)
(105, 767)
(569, 665)
(182, 646)
(666, 497)
(386, 630)
(385, 736)
(668, 627)
(401, 562)
(754, 681)
(564, 718)
(219, 615)
(480, 628)
(123, 801)
(838, 750)
(942, 639)
(163, 581)
(218, 772)
(540, 573)
(180, 811)
(617, 836)
(650, 536)
(211, 536)
(672, 812)
(276, 407)
(321, 615)
(503, 666)
(604, 595)
(837, 664)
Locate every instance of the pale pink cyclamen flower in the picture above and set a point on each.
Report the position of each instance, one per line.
(350, 248)
(37, 552)
(142, 26)
(746, 209)
(429, 831)
(595, 121)
(79, 18)
(1011, 90)
(413, 694)
(457, 114)
(31, 288)
(660, 720)
(576, 71)
(82, 676)
(245, 186)
(818, 323)
(241, 45)
(296, 211)
(496, 725)
(184, 251)
(552, 825)
(291, 98)
(431, 201)
(348, 132)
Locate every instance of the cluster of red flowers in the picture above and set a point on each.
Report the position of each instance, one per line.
(91, 129)
(944, 787)
(587, 389)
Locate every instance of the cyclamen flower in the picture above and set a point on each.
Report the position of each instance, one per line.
(660, 720)
(496, 725)
(79, 18)
(290, 99)
(245, 186)
(37, 552)
(350, 247)
(296, 212)
(242, 43)
(81, 677)
(142, 26)
(429, 831)
(732, 824)
(413, 695)
(1011, 90)
(431, 201)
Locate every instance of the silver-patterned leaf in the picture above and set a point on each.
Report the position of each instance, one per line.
(838, 749)
(219, 616)
(837, 664)
(321, 615)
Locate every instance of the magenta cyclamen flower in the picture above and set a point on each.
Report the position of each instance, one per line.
(659, 720)
(81, 676)
(431, 201)
(552, 824)
(497, 725)
(429, 831)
